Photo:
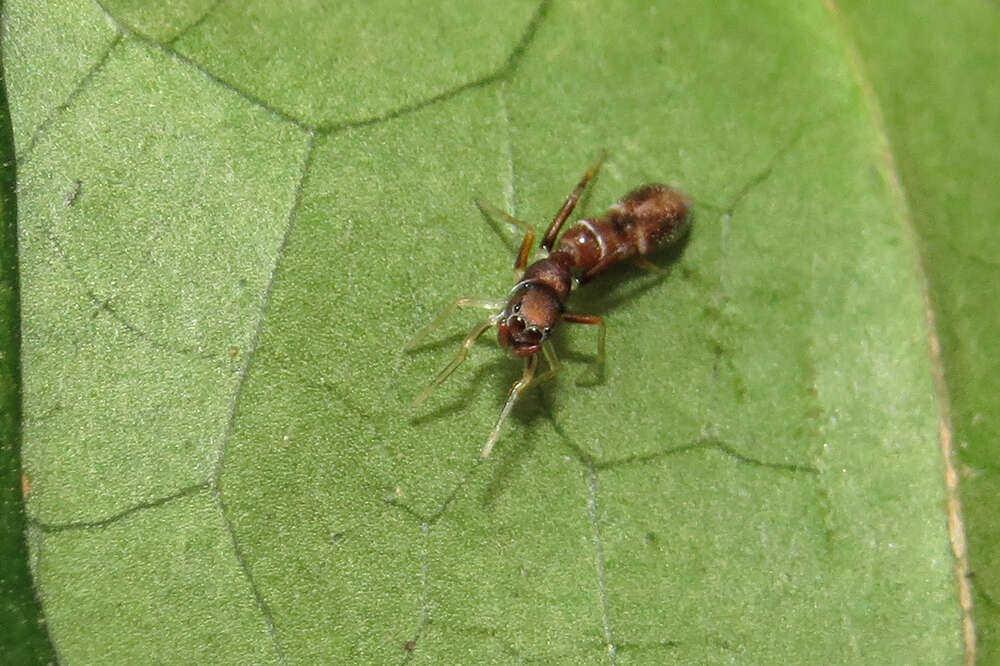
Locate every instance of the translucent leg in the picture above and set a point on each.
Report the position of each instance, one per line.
(550, 357)
(530, 365)
(529, 234)
(489, 210)
(461, 302)
(593, 374)
(462, 354)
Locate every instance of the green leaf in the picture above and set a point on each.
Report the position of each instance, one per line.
(931, 73)
(232, 218)
(24, 639)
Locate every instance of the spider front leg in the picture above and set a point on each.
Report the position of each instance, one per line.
(530, 365)
(460, 302)
(594, 374)
(524, 252)
(470, 340)
(495, 213)
(527, 379)
(463, 353)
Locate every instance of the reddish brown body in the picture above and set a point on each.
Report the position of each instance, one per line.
(647, 218)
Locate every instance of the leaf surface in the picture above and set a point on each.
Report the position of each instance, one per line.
(232, 219)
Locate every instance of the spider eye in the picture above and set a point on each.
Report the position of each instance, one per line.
(531, 335)
(517, 307)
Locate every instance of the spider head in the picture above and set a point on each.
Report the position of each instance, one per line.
(532, 311)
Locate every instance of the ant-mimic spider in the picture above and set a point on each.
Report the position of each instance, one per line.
(646, 219)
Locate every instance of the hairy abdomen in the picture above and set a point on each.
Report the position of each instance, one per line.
(647, 218)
